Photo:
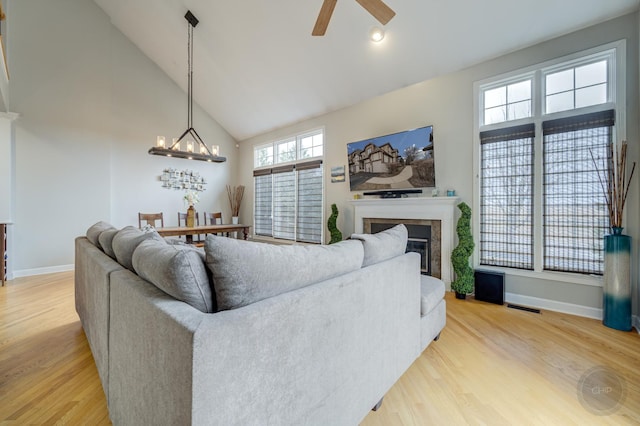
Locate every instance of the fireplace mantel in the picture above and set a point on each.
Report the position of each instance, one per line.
(427, 208)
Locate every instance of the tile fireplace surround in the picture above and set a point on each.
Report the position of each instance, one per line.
(421, 208)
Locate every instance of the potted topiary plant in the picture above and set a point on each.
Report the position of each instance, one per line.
(336, 235)
(463, 284)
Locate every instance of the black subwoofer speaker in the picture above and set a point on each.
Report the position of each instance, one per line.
(489, 286)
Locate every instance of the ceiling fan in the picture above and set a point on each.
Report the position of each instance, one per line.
(377, 8)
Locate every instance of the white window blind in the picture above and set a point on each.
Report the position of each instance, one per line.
(506, 199)
(289, 202)
(309, 218)
(575, 211)
(284, 203)
(263, 205)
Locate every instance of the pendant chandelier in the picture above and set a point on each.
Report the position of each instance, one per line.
(202, 153)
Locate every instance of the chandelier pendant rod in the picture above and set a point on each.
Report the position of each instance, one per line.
(193, 21)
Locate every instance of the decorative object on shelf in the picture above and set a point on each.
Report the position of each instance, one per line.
(202, 153)
(235, 199)
(451, 192)
(182, 179)
(463, 284)
(616, 306)
(336, 235)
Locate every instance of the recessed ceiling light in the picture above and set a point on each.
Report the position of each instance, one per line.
(376, 34)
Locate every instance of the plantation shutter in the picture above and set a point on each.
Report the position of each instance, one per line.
(506, 197)
(575, 211)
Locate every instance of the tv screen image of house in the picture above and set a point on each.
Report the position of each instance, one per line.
(402, 160)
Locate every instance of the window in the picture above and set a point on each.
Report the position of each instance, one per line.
(576, 87)
(289, 196)
(507, 102)
(541, 204)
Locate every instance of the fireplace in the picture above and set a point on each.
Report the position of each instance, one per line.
(439, 213)
(424, 239)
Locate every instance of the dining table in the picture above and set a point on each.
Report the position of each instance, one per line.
(190, 231)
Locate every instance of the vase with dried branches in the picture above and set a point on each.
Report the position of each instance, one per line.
(616, 306)
(235, 194)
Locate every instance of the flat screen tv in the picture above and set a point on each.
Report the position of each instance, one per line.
(402, 160)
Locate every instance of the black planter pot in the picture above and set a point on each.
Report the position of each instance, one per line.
(460, 296)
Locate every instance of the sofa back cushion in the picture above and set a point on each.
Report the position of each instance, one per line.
(126, 240)
(106, 241)
(94, 231)
(245, 272)
(178, 270)
(383, 245)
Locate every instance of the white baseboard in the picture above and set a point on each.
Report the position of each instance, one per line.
(553, 305)
(42, 271)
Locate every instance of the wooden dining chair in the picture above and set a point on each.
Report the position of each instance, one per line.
(215, 219)
(150, 219)
(182, 221)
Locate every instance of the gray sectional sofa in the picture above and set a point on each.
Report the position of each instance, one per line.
(247, 333)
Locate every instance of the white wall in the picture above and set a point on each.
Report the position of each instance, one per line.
(447, 104)
(91, 105)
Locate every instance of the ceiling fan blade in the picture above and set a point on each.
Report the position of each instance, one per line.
(378, 9)
(323, 17)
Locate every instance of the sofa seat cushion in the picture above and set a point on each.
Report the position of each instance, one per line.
(178, 270)
(383, 245)
(431, 293)
(127, 239)
(94, 231)
(245, 272)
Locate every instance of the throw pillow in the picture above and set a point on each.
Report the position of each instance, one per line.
(106, 241)
(178, 270)
(125, 242)
(245, 272)
(383, 245)
(94, 231)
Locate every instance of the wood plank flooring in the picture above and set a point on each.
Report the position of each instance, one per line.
(492, 366)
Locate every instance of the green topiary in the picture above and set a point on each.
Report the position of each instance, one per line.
(464, 281)
(336, 235)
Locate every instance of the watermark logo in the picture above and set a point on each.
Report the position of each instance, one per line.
(601, 390)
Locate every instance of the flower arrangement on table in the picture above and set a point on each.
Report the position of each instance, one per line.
(191, 198)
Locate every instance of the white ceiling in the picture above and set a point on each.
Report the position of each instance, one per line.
(257, 67)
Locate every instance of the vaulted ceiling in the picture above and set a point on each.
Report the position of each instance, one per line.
(257, 67)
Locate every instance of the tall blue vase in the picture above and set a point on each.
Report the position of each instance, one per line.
(617, 281)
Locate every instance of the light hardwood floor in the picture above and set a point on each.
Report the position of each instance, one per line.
(492, 366)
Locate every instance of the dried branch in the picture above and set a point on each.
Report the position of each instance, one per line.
(617, 184)
(235, 195)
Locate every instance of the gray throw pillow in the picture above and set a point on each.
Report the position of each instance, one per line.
(106, 241)
(94, 231)
(245, 272)
(383, 245)
(125, 242)
(178, 270)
